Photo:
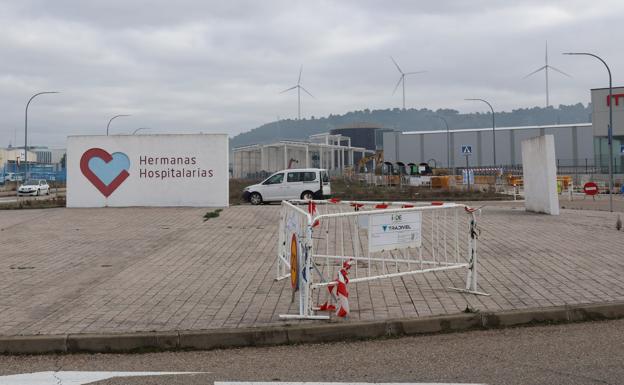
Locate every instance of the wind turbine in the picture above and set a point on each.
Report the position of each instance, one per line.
(546, 67)
(402, 78)
(299, 87)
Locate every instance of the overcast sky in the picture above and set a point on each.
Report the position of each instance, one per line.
(218, 66)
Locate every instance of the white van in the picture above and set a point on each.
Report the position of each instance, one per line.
(303, 183)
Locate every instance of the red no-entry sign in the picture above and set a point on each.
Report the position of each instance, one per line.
(590, 188)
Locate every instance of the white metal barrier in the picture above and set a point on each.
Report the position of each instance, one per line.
(379, 240)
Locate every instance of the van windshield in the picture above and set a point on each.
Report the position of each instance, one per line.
(324, 177)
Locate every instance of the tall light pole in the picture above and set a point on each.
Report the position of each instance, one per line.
(139, 129)
(610, 128)
(448, 141)
(493, 127)
(111, 119)
(26, 126)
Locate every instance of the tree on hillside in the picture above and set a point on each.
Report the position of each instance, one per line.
(413, 120)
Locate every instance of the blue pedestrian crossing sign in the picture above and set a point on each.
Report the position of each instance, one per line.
(466, 149)
(621, 149)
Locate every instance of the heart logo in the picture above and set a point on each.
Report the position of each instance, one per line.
(105, 171)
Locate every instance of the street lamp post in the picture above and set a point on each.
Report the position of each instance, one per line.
(139, 129)
(610, 128)
(493, 128)
(448, 141)
(26, 127)
(111, 119)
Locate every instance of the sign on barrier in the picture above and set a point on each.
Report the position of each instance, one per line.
(394, 231)
(294, 263)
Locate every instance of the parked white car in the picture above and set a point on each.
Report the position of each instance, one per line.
(304, 183)
(34, 187)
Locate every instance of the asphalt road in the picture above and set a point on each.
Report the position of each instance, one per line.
(587, 353)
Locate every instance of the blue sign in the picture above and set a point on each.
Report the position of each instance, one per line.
(622, 149)
(466, 149)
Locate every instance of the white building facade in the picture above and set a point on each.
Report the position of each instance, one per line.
(331, 152)
(573, 142)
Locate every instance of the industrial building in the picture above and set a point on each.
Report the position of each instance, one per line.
(43, 162)
(15, 155)
(367, 135)
(332, 152)
(577, 146)
(573, 143)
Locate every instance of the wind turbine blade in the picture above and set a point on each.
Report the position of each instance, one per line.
(397, 66)
(300, 71)
(560, 71)
(291, 88)
(306, 91)
(534, 72)
(414, 73)
(398, 83)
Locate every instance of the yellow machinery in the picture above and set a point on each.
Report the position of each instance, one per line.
(377, 157)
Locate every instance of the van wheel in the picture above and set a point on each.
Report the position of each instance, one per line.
(307, 195)
(255, 198)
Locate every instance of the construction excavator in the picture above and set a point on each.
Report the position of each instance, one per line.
(378, 161)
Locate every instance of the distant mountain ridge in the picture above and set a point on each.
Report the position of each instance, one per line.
(413, 120)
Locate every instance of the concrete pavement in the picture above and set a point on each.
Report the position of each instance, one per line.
(130, 270)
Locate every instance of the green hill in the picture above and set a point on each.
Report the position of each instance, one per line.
(413, 120)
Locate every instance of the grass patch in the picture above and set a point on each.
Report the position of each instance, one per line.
(35, 204)
(236, 189)
(212, 214)
(354, 190)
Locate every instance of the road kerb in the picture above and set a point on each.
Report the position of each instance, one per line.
(33, 344)
(303, 333)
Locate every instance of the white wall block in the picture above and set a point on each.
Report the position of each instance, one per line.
(539, 168)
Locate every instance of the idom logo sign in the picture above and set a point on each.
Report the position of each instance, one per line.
(105, 171)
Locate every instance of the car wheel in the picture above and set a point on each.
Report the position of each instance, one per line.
(255, 198)
(307, 195)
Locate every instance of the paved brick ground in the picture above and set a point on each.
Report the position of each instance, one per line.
(141, 269)
(583, 202)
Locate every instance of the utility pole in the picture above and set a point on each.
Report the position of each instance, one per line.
(610, 128)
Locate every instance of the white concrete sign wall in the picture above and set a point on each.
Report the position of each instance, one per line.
(148, 170)
(539, 170)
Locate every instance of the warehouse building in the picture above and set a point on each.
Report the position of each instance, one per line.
(444, 149)
(579, 146)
